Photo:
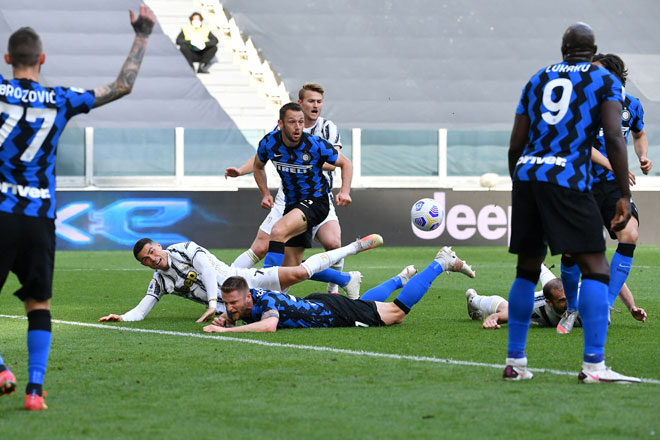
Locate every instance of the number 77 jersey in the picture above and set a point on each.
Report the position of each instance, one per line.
(563, 102)
(32, 118)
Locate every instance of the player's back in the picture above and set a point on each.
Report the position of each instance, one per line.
(563, 102)
(33, 118)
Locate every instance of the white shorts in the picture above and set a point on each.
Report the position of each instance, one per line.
(260, 278)
(277, 211)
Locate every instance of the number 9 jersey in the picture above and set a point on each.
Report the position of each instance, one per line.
(563, 102)
(32, 118)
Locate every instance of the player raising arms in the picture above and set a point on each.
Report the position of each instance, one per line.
(328, 232)
(33, 117)
(556, 123)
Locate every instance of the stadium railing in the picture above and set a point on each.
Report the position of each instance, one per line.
(195, 159)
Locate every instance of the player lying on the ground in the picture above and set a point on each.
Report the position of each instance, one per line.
(549, 305)
(266, 310)
(190, 271)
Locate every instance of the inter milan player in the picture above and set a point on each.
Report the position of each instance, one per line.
(299, 158)
(549, 305)
(556, 123)
(192, 272)
(32, 120)
(266, 311)
(328, 232)
(606, 191)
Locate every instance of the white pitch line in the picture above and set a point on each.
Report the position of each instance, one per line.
(310, 347)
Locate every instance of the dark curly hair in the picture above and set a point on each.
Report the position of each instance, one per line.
(614, 64)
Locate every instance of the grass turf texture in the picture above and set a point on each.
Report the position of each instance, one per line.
(104, 383)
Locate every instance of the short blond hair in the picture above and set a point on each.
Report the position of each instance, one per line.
(312, 87)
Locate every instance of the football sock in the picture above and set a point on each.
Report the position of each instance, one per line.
(619, 269)
(593, 309)
(383, 290)
(487, 304)
(319, 262)
(275, 254)
(521, 305)
(38, 342)
(339, 265)
(332, 276)
(246, 260)
(570, 278)
(417, 287)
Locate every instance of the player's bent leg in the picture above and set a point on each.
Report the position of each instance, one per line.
(257, 251)
(293, 255)
(384, 290)
(329, 235)
(622, 259)
(289, 276)
(390, 313)
(292, 224)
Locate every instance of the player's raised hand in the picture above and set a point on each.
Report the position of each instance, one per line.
(144, 23)
(111, 318)
(622, 215)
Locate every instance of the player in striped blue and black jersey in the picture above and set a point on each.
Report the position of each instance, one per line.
(266, 310)
(298, 158)
(606, 192)
(32, 118)
(556, 123)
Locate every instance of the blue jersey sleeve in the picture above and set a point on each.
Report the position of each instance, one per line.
(636, 109)
(77, 100)
(262, 149)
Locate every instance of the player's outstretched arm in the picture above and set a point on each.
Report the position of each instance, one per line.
(627, 298)
(268, 323)
(246, 168)
(600, 159)
(123, 85)
(494, 320)
(262, 183)
(138, 313)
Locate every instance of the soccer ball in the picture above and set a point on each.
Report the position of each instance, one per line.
(426, 214)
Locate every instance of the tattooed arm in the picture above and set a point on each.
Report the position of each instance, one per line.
(123, 85)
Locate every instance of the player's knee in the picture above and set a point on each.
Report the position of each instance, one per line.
(331, 243)
(260, 248)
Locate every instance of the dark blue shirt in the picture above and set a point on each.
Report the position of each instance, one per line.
(563, 102)
(632, 118)
(32, 118)
(294, 312)
(301, 167)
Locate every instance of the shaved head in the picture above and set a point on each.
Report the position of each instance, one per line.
(578, 42)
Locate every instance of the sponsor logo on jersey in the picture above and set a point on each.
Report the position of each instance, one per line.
(549, 160)
(29, 192)
(291, 168)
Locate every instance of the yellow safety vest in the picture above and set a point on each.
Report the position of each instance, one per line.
(191, 33)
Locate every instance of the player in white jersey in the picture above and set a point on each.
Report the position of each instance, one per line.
(310, 97)
(192, 272)
(549, 304)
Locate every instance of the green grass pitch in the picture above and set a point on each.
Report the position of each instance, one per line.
(104, 383)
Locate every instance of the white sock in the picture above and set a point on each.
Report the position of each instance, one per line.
(246, 260)
(339, 266)
(487, 304)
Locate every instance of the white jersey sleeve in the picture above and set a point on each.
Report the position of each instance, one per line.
(154, 292)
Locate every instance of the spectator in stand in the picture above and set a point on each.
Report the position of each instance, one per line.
(197, 43)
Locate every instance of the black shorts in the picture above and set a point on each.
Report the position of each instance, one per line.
(28, 249)
(607, 194)
(349, 312)
(547, 214)
(315, 210)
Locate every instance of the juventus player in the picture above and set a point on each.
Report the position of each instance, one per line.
(310, 97)
(549, 305)
(192, 272)
(556, 123)
(32, 119)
